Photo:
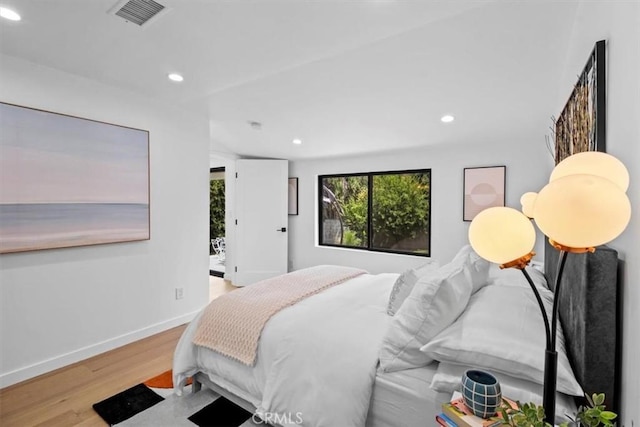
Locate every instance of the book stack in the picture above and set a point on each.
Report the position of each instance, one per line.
(457, 414)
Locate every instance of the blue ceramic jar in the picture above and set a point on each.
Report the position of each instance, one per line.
(481, 393)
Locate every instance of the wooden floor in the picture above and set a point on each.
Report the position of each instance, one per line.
(219, 286)
(64, 397)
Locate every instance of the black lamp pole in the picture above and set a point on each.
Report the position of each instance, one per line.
(550, 355)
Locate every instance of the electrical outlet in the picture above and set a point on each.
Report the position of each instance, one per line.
(179, 293)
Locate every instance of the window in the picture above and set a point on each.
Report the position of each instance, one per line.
(377, 211)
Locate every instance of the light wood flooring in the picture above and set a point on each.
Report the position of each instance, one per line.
(64, 397)
(219, 286)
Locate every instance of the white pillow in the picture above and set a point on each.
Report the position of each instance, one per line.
(502, 330)
(477, 269)
(436, 300)
(405, 283)
(514, 277)
(447, 380)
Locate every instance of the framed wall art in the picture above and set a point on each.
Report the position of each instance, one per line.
(293, 196)
(484, 187)
(67, 181)
(581, 125)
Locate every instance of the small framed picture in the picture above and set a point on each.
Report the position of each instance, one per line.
(293, 196)
(484, 187)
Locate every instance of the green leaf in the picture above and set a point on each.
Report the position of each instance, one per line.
(598, 399)
(504, 414)
(592, 412)
(608, 415)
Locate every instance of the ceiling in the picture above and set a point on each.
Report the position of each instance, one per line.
(345, 76)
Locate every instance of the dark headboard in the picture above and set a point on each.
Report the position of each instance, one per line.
(588, 309)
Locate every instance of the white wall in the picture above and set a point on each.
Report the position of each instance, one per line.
(448, 231)
(63, 305)
(619, 23)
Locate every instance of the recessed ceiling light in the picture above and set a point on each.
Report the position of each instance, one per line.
(176, 77)
(297, 141)
(9, 14)
(446, 119)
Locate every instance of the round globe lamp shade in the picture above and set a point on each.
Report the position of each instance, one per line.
(593, 163)
(528, 201)
(582, 211)
(501, 235)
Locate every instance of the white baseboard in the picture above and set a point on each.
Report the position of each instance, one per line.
(83, 353)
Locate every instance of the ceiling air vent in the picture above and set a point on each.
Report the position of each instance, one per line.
(137, 11)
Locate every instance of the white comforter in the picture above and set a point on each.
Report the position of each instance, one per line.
(316, 360)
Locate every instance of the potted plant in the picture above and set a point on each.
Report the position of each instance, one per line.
(525, 415)
(594, 414)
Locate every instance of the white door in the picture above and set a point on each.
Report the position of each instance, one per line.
(262, 221)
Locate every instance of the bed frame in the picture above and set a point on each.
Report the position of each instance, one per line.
(589, 313)
(200, 379)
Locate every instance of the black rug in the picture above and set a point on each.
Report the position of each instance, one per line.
(220, 413)
(126, 404)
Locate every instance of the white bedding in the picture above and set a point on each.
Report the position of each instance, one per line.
(317, 358)
(404, 398)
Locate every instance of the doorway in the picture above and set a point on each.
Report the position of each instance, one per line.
(217, 245)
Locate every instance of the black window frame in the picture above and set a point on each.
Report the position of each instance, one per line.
(370, 176)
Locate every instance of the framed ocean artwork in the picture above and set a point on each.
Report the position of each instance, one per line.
(67, 181)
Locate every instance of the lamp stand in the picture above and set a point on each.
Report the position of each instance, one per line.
(549, 391)
(551, 355)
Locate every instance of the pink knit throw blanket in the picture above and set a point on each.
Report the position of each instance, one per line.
(232, 323)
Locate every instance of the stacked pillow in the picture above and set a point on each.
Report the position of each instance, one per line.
(464, 318)
(502, 330)
(514, 277)
(436, 300)
(405, 283)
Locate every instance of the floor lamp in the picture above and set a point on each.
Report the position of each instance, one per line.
(584, 205)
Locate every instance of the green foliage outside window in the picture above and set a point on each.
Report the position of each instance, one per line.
(216, 209)
(351, 193)
(399, 215)
(400, 208)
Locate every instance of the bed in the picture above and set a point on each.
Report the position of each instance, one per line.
(340, 358)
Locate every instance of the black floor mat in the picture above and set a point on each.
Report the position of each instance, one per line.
(126, 404)
(220, 413)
